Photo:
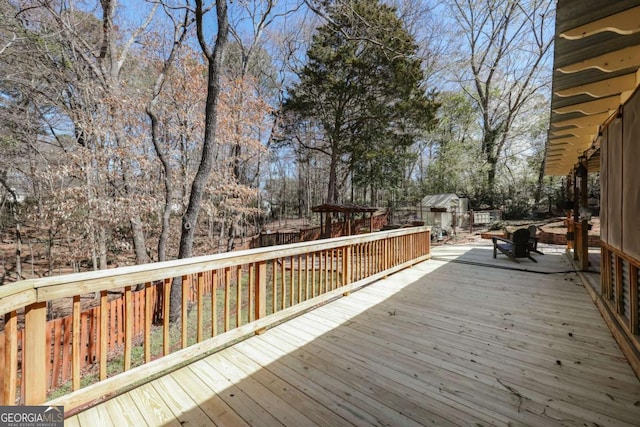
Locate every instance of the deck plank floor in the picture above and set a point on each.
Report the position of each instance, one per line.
(462, 339)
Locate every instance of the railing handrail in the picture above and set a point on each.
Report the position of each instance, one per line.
(16, 295)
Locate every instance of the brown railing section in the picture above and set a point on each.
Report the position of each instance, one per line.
(620, 280)
(338, 229)
(224, 297)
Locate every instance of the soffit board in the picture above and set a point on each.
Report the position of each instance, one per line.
(596, 63)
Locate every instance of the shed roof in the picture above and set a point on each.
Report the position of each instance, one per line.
(444, 200)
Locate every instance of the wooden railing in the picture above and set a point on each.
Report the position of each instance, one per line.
(620, 278)
(224, 297)
(338, 229)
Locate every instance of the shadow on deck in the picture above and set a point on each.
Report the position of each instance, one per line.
(462, 339)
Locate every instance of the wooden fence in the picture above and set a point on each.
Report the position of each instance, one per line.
(232, 295)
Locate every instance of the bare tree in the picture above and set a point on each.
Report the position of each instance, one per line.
(84, 55)
(503, 48)
(181, 20)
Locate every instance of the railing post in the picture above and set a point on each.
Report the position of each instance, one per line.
(584, 250)
(260, 293)
(34, 354)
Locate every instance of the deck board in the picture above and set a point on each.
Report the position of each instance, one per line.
(462, 339)
(184, 406)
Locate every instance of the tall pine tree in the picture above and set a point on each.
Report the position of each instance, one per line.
(360, 99)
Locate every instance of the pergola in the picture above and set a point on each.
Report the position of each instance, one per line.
(346, 209)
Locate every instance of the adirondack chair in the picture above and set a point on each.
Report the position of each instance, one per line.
(519, 246)
(533, 240)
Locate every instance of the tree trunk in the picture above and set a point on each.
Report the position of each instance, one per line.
(332, 190)
(168, 186)
(94, 252)
(102, 247)
(139, 241)
(538, 193)
(190, 218)
(18, 242)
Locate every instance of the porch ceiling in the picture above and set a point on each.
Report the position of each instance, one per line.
(596, 69)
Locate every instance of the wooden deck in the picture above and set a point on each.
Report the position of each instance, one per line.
(462, 339)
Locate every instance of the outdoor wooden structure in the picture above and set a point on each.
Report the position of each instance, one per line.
(346, 228)
(595, 127)
(347, 210)
(251, 290)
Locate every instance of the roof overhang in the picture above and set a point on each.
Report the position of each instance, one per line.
(596, 69)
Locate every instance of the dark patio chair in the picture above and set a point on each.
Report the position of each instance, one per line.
(533, 240)
(519, 246)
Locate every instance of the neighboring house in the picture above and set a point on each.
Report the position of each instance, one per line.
(595, 127)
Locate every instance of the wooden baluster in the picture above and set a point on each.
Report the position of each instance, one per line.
(346, 267)
(227, 297)
(251, 293)
(633, 296)
(260, 292)
(619, 303)
(360, 260)
(214, 303)
(238, 296)
(10, 374)
(291, 285)
(186, 285)
(75, 345)
(103, 345)
(332, 269)
(306, 277)
(283, 293)
(299, 258)
(274, 286)
(166, 290)
(326, 271)
(200, 306)
(148, 314)
(320, 270)
(128, 327)
(314, 292)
